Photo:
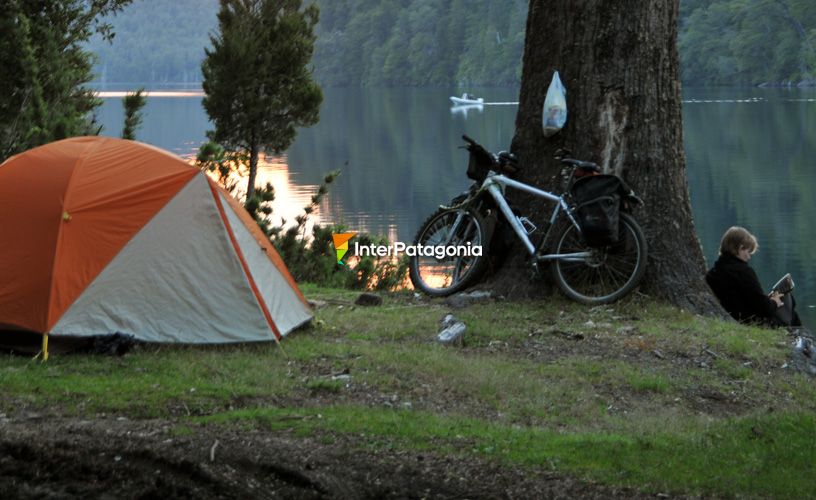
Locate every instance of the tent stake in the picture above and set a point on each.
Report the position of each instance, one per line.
(45, 347)
(280, 344)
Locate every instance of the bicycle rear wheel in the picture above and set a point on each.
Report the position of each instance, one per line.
(440, 274)
(609, 273)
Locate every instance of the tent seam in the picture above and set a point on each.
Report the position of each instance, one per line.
(93, 280)
(80, 160)
(244, 265)
(285, 273)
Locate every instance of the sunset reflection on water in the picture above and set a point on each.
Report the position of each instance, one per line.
(290, 196)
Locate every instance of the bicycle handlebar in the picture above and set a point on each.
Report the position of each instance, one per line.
(505, 162)
(469, 140)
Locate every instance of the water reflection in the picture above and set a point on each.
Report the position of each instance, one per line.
(398, 152)
(466, 108)
(175, 124)
(290, 196)
(749, 162)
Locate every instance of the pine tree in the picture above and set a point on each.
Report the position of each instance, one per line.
(45, 68)
(133, 104)
(257, 82)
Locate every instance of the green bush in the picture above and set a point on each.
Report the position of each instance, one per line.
(309, 257)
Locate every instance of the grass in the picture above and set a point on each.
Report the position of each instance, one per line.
(758, 456)
(151, 382)
(634, 394)
(645, 382)
(321, 385)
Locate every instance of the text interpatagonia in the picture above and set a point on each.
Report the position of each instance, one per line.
(437, 251)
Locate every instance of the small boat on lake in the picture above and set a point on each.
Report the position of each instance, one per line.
(466, 99)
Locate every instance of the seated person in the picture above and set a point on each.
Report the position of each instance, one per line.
(737, 287)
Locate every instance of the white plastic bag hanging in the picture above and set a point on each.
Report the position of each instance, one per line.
(555, 107)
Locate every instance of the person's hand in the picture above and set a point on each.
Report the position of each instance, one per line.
(777, 298)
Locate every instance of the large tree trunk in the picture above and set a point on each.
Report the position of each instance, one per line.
(254, 151)
(619, 63)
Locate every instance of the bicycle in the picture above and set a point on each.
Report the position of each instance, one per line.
(590, 265)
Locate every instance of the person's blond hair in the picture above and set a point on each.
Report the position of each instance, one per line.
(737, 238)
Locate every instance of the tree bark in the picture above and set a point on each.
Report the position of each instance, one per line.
(254, 151)
(619, 63)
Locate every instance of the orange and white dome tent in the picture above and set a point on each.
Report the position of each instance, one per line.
(101, 235)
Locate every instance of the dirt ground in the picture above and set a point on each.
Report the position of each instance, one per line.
(43, 457)
(44, 454)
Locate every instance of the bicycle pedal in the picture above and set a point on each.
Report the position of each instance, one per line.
(535, 271)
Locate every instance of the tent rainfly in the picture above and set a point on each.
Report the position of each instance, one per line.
(101, 235)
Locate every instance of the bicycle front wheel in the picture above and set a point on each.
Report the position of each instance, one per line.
(608, 273)
(449, 261)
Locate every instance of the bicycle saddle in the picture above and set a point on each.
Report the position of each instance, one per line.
(582, 164)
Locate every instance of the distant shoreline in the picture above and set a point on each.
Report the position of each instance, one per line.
(152, 93)
(163, 91)
(810, 83)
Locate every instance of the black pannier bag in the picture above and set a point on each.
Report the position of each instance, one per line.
(479, 163)
(597, 207)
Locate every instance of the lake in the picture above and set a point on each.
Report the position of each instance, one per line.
(750, 159)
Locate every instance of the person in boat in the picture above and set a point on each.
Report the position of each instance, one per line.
(737, 287)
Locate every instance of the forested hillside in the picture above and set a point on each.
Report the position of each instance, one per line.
(468, 42)
(360, 42)
(156, 41)
(747, 42)
(420, 42)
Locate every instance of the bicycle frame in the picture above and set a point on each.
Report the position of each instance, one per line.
(494, 183)
(588, 270)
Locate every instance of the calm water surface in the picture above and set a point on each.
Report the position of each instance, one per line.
(750, 160)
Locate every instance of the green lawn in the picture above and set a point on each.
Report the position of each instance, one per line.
(633, 394)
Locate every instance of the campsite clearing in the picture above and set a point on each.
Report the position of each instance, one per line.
(545, 398)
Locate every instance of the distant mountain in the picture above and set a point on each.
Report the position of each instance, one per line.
(359, 42)
(468, 42)
(156, 41)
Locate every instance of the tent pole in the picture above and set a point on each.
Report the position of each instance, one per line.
(45, 347)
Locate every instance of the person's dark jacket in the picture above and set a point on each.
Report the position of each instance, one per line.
(737, 287)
